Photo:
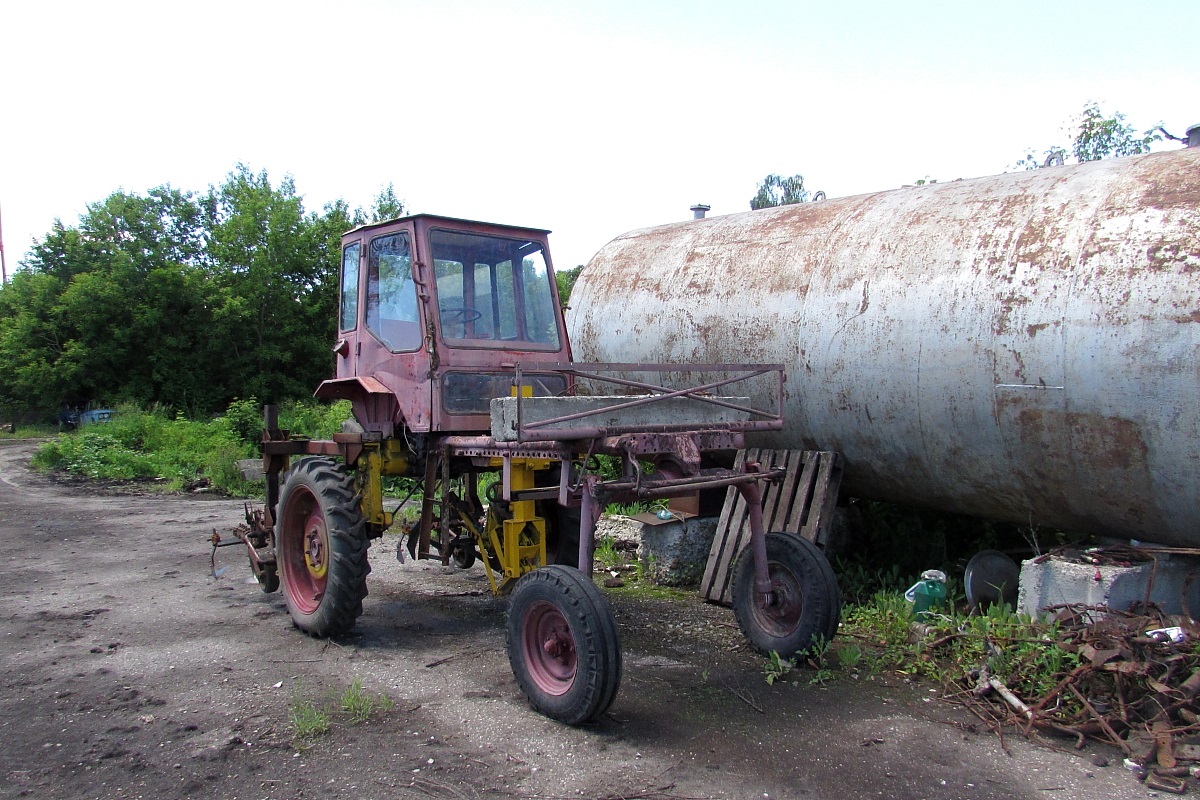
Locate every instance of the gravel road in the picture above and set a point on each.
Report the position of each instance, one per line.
(129, 671)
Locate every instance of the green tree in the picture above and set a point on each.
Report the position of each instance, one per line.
(275, 267)
(1095, 136)
(177, 299)
(565, 282)
(110, 283)
(387, 205)
(774, 190)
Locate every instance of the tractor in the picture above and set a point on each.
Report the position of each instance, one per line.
(452, 351)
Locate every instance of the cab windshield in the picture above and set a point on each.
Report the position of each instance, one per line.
(493, 292)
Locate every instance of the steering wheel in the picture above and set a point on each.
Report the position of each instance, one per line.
(459, 314)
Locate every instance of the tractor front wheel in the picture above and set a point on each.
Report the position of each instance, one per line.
(804, 604)
(321, 548)
(562, 644)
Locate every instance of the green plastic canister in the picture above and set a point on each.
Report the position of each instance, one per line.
(927, 594)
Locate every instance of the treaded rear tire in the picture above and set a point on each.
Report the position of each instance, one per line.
(321, 547)
(809, 601)
(562, 644)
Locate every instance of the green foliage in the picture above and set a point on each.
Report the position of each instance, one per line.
(311, 418)
(849, 656)
(23, 431)
(606, 554)
(883, 625)
(387, 205)
(358, 705)
(308, 720)
(150, 445)
(774, 190)
(565, 282)
(311, 719)
(1100, 137)
(818, 659)
(1094, 137)
(245, 419)
(626, 509)
(777, 667)
(176, 451)
(1024, 652)
(181, 299)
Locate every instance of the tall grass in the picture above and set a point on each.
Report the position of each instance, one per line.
(176, 452)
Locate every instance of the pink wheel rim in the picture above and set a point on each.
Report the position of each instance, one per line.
(305, 550)
(548, 648)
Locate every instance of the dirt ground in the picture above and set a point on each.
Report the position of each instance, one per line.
(129, 671)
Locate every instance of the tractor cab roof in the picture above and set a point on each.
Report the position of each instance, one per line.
(435, 220)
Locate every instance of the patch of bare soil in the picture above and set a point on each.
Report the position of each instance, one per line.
(130, 671)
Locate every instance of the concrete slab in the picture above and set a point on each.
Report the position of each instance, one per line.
(1172, 585)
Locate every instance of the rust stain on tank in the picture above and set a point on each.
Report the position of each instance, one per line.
(1110, 443)
(1021, 341)
(1033, 330)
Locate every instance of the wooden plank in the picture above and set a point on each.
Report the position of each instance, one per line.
(820, 515)
(733, 541)
(802, 503)
(776, 494)
(804, 488)
(795, 464)
(739, 530)
(716, 552)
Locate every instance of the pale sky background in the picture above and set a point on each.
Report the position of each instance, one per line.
(588, 118)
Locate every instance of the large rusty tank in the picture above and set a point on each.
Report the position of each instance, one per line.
(1023, 347)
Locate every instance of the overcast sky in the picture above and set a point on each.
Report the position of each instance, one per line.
(590, 119)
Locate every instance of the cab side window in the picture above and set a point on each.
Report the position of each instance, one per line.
(391, 293)
(349, 313)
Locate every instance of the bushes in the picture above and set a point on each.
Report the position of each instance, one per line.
(178, 452)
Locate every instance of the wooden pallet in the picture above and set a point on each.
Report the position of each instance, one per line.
(801, 503)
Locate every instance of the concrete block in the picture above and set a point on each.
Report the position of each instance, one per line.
(251, 469)
(674, 411)
(675, 553)
(1172, 585)
(619, 528)
(672, 553)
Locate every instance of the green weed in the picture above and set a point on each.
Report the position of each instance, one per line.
(1022, 650)
(308, 720)
(607, 555)
(777, 667)
(358, 705)
(626, 509)
(849, 656)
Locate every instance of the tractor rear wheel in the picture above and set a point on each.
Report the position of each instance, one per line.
(563, 645)
(321, 548)
(805, 602)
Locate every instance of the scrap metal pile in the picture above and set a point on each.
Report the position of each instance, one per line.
(1133, 681)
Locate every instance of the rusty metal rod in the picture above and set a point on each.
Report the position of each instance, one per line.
(574, 434)
(657, 398)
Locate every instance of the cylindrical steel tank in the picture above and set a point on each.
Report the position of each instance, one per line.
(1023, 347)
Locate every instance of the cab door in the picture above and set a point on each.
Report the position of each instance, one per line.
(346, 349)
(392, 333)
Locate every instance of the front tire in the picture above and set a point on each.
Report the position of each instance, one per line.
(562, 644)
(321, 548)
(806, 602)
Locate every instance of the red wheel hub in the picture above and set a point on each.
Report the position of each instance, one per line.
(780, 614)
